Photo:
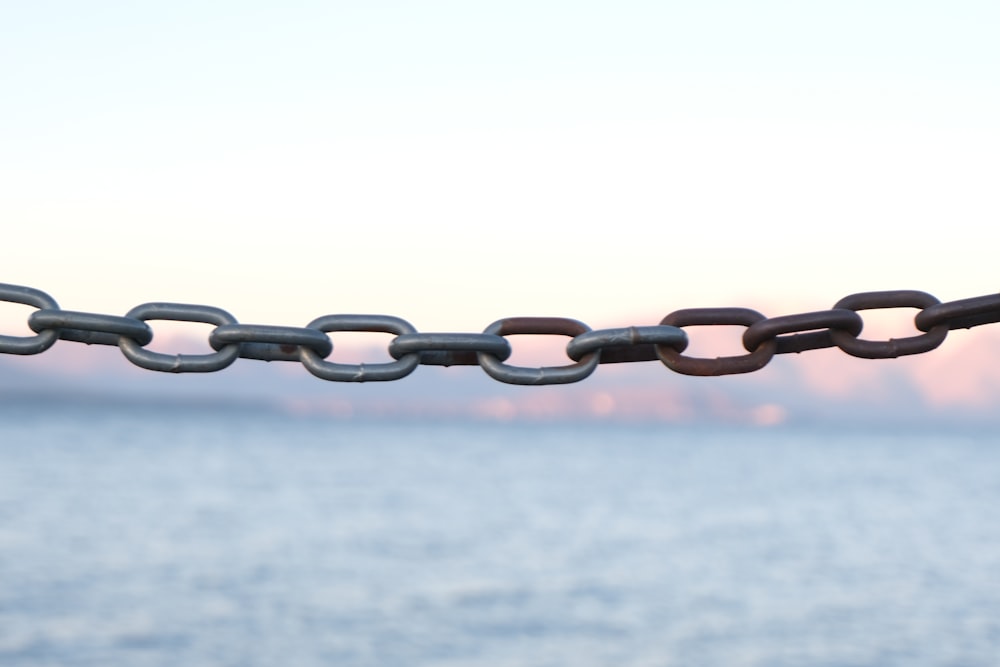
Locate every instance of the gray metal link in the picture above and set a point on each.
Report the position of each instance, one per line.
(179, 363)
(270, 343)
(612, 341)
(436, 349)
(498, 370)
(27, 296)
(310, 345)
(380, 372)
(90, 328)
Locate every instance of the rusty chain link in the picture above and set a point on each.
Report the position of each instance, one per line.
(310, 345)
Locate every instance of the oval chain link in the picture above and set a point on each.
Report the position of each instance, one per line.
(627, 343)
(961, 314)
(27, 296)
(380, 372)
(90, 328)
(444, 349)
(894, 347)
(798, 333)
(179, 363)
(270, 343)
(745, 363)
(559, 326)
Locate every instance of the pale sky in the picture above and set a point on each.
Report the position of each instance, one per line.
(454, 163)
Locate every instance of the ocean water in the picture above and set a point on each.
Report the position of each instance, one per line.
(196, 536)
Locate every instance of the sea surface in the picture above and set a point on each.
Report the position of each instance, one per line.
(203, 536)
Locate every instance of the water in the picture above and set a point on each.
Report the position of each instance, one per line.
(224, 537)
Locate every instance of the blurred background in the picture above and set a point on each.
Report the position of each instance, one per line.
(455, 163)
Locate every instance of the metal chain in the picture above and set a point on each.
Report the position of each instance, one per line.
(311, 346)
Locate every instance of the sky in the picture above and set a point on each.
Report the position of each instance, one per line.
(452, 163)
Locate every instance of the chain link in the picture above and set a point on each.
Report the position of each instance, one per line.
(136, 352)
(744, 363)
(763, 338)
(894, 347)
(41, 341)
(543, 326)
(381, 372)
